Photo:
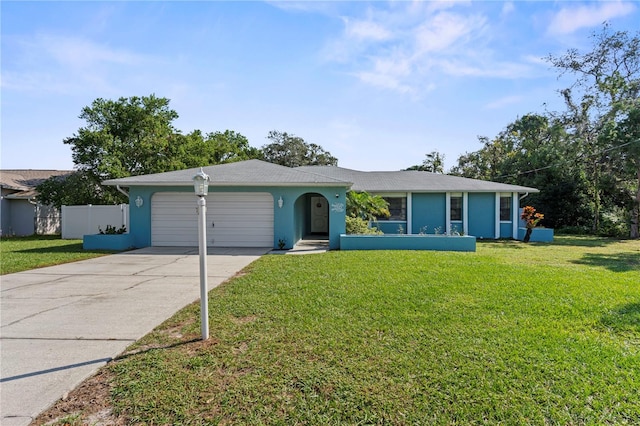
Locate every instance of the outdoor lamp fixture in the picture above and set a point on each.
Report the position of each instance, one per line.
(280, 202)
(201, 183)
(201, 188)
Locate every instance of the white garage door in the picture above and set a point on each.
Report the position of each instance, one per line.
(234, 219)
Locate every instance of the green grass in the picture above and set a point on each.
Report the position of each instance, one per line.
(512, 334)
(24, 253)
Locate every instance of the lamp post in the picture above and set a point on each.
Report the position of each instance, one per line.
(201, 188)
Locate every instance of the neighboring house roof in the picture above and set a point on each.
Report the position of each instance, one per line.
(242, 173)
(24, 182)
(411, 181)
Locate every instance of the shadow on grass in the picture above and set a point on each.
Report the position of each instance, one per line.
(616, 262)
(150, 348)
(623, 319)
(559, 240)
(504, 244)
(68, 248)
(31, 238)
(581, 241)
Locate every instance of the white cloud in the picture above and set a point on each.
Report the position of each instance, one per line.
(571, 19)
(444, 30)
(535, 60)
(366, 30)
(434, 6)
(385, 81)
(412, 48)
(484, 68)
(507, 8)
(81, 53)
(503, 102)
(61, 64)
(302, 6)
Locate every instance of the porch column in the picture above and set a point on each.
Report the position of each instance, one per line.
(465, 213)
(409, 213)
(515, 217)
(497, 215)
(447, 207)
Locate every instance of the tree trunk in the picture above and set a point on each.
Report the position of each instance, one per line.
(596, 199)
(527, 235)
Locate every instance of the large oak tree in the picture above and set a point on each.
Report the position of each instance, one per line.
(292, 151)
(135, 136)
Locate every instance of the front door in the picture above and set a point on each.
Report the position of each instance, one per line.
(319, 215)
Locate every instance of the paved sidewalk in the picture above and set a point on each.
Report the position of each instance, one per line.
(60, 324)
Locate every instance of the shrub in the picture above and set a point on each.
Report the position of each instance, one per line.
(111, 230)
(356, 225)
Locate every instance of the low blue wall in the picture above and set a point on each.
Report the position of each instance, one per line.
(117, 242)
(407, 242)
(539, 235)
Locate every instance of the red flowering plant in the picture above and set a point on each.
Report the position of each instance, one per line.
(531, 219)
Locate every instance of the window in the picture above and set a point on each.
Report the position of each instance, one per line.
(505, 208)
(397, 208)
(456, 207)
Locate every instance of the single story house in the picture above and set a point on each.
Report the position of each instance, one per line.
(258, 204)
(20, 213)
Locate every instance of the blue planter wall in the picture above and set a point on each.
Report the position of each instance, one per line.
(116, 242)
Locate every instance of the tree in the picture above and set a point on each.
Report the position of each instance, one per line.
(75, 189)
(434, 163)
(531, 219)
(366, 206)
(196, 149)
(486, 163)
(230, 146)
(134, 136)
(130, 136)
(293, 151)
(362, 209)
(603, 96)
(628, 145)
(533, 151)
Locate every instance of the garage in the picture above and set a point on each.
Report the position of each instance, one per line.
(234, 219)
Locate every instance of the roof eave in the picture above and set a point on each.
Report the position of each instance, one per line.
(439, 191)
(231, 184)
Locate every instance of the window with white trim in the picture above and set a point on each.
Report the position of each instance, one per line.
(505, 207)
(397, 207)
(455, 207)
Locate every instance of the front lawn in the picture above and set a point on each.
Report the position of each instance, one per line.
(24, 253)
(512, 334)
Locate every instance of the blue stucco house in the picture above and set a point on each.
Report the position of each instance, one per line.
(258, 204)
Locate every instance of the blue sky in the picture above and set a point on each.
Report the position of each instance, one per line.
(377, 84)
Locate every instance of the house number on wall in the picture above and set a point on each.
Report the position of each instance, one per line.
(337, 207)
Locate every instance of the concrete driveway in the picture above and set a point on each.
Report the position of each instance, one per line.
(60, 324)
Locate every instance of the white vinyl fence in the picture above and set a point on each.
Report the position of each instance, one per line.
(84, 220)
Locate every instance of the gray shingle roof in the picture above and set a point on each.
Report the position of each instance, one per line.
(412, 181)
(24, 181)
(261, 173)
(242, 173)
